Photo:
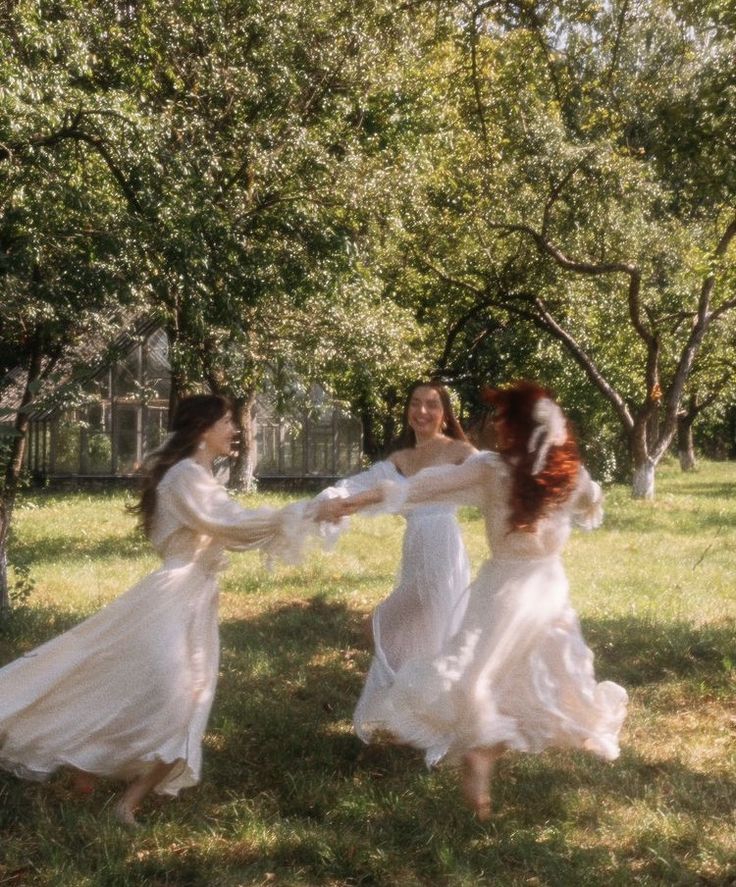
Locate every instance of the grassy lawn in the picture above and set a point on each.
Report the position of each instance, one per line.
(290, 797)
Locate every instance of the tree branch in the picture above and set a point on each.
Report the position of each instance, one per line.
(701, 323)
(591, 269)
(543, 318)
(473, 25)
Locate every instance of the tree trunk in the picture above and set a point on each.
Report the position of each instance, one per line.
(391, 398)
(685, 446)
(4, 529)
(12, 474)
(178, 382)
(173, 397)
(642, 485)
(244, 464)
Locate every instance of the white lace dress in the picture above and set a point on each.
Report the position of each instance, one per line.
(518, 671)
(133, 684)
(430, 594)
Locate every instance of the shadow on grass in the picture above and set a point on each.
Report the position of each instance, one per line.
(281, 736)
(636, 651)
(648, 520)
(27, 627)
(290, 795)
(711, 490)
(57, 549)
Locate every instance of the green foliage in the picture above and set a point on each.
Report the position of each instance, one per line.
(351, 192)
(556, 147)
(22, 586)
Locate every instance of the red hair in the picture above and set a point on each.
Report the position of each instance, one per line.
(532, 495)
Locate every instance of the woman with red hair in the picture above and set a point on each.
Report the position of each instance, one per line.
(517, 675)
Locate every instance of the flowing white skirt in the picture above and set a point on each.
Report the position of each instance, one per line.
(129, 687)
(426, 606)
(517, 674)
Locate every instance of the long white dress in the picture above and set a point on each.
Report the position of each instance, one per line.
(133, 684)
(517, 672)
(430, 594)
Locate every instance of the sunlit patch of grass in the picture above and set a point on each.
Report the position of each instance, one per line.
(290, 797)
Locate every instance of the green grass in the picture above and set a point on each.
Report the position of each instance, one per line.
(290, 797)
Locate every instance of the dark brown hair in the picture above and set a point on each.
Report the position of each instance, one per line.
(532, 495)
(192, 417)
(451, 427)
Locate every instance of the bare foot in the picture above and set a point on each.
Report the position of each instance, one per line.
(477, 768)
(124, 814)
(137, 790)
(84, 783)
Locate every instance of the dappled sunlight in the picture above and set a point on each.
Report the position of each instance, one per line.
(290, 796)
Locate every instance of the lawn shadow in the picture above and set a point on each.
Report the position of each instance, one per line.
(559, 787)
(291, 678)
(24, 628)
(57, 549)
(285, 730)
(280, 758)
(711, 490)
(636, 651)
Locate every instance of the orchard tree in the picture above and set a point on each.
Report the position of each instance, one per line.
(62, 272)
(710, 391)
(242, 177)
(569, 184)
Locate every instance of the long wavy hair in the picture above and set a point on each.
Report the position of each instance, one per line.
(532, 495)
(192, 417)
(451, 428)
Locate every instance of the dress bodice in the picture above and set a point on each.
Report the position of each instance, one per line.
(421, 515)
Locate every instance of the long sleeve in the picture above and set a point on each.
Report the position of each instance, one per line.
(190, 497)
(365, 480)
(378, 473)
(587, 502)
(465, 484)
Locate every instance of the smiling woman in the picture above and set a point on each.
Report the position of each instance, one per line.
(429, 598)
(127, 693)
(516, 674)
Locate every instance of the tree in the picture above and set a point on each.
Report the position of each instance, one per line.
(242, 172)
(580, 195)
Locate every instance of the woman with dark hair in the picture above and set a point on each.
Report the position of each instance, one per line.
(126, 694)
(428, 600)
(517, 675)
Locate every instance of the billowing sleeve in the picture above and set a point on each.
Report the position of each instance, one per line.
(376, 475)
(196, 500)
(365, 480)
(466, 484)
(587, 502)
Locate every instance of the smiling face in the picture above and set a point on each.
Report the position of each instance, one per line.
(218, 439)
(426, 414)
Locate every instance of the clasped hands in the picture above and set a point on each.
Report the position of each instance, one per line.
(333, 510)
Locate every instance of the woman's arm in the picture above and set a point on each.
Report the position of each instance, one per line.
(587, 502)
(199, 502)
(466, 484)
(356, 484)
